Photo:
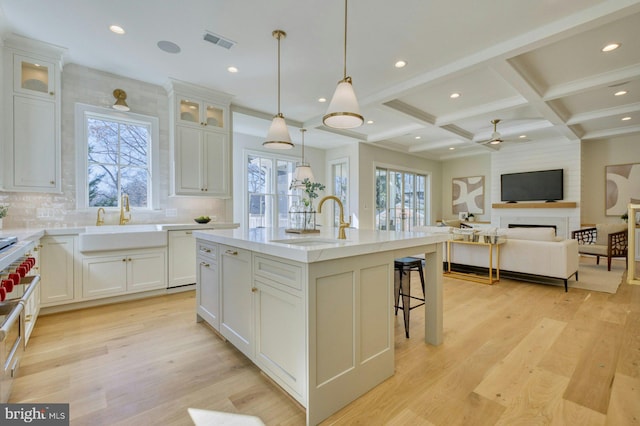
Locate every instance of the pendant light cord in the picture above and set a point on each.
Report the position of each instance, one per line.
(279, 36)
(345, 39)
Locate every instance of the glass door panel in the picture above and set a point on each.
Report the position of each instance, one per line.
(189, 111)
(214, 117)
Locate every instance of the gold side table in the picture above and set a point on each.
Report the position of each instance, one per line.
(473, 277)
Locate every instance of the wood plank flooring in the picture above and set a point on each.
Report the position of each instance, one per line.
(513, 353)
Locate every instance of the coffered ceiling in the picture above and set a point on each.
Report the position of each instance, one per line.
(536, 65)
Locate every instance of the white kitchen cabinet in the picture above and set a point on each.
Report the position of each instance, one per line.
(200, 141)
(57, 269)
(279, 322)
(202, 160)
(236, 298)
(208, 290)
(32, 148)
(182, 258)
(112, 274)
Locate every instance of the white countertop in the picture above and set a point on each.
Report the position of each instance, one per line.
(358, 242)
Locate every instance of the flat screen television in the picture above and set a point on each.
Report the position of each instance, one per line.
(543, 185)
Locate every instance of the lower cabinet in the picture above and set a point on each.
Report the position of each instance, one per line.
(110, 274)
(57, 269)
(182, 258)
(260, 301)
(208, 289)
(236, 299)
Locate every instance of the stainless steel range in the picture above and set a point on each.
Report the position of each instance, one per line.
(19, 307)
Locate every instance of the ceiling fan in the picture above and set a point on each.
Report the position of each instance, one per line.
(496, 138)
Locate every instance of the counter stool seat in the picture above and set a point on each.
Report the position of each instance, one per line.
(404, 266)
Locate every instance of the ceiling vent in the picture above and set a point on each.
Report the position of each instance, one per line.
(219, 40)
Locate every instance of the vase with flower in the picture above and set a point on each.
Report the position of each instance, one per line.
(303, 215)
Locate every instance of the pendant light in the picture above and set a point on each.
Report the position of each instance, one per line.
(303, 169)
(344, 112)
(278, 135)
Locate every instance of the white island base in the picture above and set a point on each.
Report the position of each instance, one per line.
(318, 319)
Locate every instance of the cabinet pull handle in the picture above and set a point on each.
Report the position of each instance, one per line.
(206, 265)
(28, 318)
(253, 289)
(189, 232)
(206, 250)
(232, 252)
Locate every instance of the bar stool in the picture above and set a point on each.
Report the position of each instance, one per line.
(404, 266)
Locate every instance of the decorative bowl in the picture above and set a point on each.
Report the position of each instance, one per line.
(207, 220)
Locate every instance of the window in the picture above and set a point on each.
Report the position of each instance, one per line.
(400, 200)
(117, 154)
(270, 198)
(340, 188)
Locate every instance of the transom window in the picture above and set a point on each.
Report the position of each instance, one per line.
(117, 155)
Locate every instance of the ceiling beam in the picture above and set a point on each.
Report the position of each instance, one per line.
(603, 113)
(602, 134)
(593, 82)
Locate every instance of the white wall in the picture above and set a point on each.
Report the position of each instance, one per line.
(93, 87)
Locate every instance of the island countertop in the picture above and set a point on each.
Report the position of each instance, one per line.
(318, 247)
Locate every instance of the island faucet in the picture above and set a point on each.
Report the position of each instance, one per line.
(124, 207)
(343, 225)
(100, 219)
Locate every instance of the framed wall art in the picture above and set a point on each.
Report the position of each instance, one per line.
(468, 195)
(622, 186)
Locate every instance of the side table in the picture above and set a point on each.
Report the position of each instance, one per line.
(491, 278)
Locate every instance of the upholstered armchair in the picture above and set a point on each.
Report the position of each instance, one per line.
(607, 240)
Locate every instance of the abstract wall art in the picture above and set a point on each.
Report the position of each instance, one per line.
(622, 186)
(468, 194)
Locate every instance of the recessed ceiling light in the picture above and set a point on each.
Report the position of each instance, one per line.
(232, 70)
(620, 93)
(168, 46)
(451, 148)
(454, 95)
(626, 118)
(322, 99)
(369, 121)
(522, 136)
(116, 29)
(418, 137)
(400, 64)
(610, 47)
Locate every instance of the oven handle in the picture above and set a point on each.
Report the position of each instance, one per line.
(33, 281)
(10, 320)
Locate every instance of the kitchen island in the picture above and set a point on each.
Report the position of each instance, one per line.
(314, 313)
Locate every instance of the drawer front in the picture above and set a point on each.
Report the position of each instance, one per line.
(207, 250)
(287, 274)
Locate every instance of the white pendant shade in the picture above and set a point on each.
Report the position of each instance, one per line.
(303, 171)
(343, 112)
(278, 135)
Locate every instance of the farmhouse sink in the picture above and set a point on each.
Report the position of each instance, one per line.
(310, 241)
(100, 238)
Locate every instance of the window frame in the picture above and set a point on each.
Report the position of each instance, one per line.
(245, 180)
(82, 112)
(404, 171)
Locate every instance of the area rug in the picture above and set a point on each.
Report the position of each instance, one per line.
(596, 277)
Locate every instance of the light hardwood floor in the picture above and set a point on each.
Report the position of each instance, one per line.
(513, 353)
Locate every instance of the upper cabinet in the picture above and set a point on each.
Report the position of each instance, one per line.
(31, 122)
(200, 141)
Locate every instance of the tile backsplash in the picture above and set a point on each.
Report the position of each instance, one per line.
(93, 87)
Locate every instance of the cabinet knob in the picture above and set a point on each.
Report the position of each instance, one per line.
(253, 290)
(52, 93)
(124, 260)
(52, 182)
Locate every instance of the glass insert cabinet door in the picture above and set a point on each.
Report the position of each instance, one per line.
(34, 77)
(200, 113)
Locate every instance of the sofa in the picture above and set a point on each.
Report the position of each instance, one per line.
(532, 254)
